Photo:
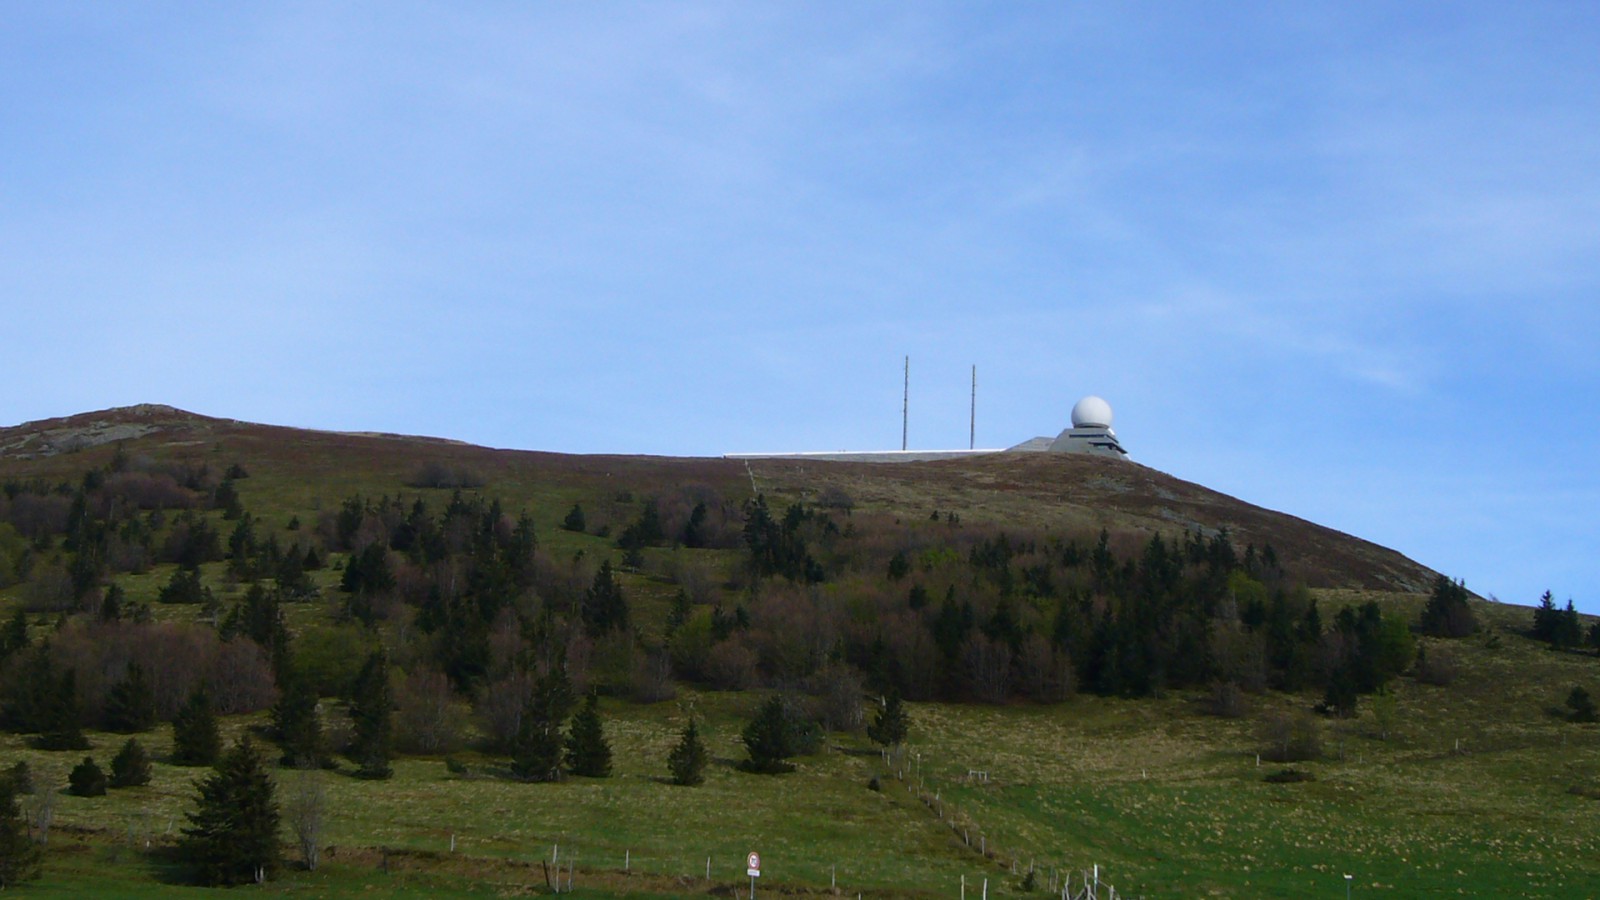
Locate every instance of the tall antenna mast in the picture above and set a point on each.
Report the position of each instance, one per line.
(905, 407)
(972, 430)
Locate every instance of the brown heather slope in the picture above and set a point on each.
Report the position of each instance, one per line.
(1049, 492)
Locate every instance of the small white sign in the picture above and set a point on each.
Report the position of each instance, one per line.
(753, 865)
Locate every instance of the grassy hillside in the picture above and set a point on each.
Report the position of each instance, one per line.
(1480, 788)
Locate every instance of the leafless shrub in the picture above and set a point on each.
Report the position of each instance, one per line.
(37, 515)
(1437, 667)
(505, 643)
(49, 590)
(500, 708)
(1045, 671)
(730, 665)
(1227, 700)
(910, 642)
(694, 576)
(611, 662)
(127, 556)
(436, 474)
(241, 677)
(41, 812)
(836, 691)
(1240, 656)
(1291, 737)
(835, 497)
(149, 490)
(652, 676)
(428, 716)
(305, 807)
(988, 668)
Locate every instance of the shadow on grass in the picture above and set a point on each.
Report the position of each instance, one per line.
(167, 866)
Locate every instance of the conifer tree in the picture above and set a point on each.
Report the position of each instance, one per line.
(1447, 613)
(60, 725)
(694, 530)
(19, 778)
(891, 725)
(86, 779)
(574, 520)
(371, 713)
(232, 837)
(588, 752)
(775, 734)
(687, 761)
(15, 635)
(131, 704)
(536, 750)
(604, 607)
(131, 766)
(111, 604)
(31, 690)
(19, 855)
(1544, 618)
(299, 731)
(195, 739)
(1568, 629)
(1582, 706)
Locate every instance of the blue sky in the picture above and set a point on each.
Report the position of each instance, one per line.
(1334, 259)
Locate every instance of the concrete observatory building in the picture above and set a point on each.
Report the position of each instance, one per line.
(1090, 432)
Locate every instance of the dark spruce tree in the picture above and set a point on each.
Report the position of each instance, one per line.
(86, 779)
(14, 636)
(778, 732)
(131, 766)
(1544, 618)
(588, 752)
(232, 836)
(131, 704)
(1582, 706)
(371, 715)
(687, 761)
(604, 608)
(1560, 628)
(1447, 613)
(19, 778)
(694, 530)
(574, 520)
(295, 722)
(537, 748)
(30, 690)
(195, 739)
(1568, 630)
(111, 604)
(891, 725)
(185, 587)
(19, 855)
(60, 726)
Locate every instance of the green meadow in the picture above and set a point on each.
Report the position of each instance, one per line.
(1476, 794)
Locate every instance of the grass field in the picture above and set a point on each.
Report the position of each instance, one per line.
(1168, 801)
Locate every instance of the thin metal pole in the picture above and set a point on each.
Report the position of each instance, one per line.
(972, 430)
(905, 407)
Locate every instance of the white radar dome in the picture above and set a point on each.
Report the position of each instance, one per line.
(1091, 412)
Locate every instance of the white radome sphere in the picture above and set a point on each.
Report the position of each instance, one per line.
(1091, 412)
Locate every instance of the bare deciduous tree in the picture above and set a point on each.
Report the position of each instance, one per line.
(305, 806)
(41, 812)
(428, 718)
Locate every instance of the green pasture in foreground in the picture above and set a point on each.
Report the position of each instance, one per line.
(1168, 801)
